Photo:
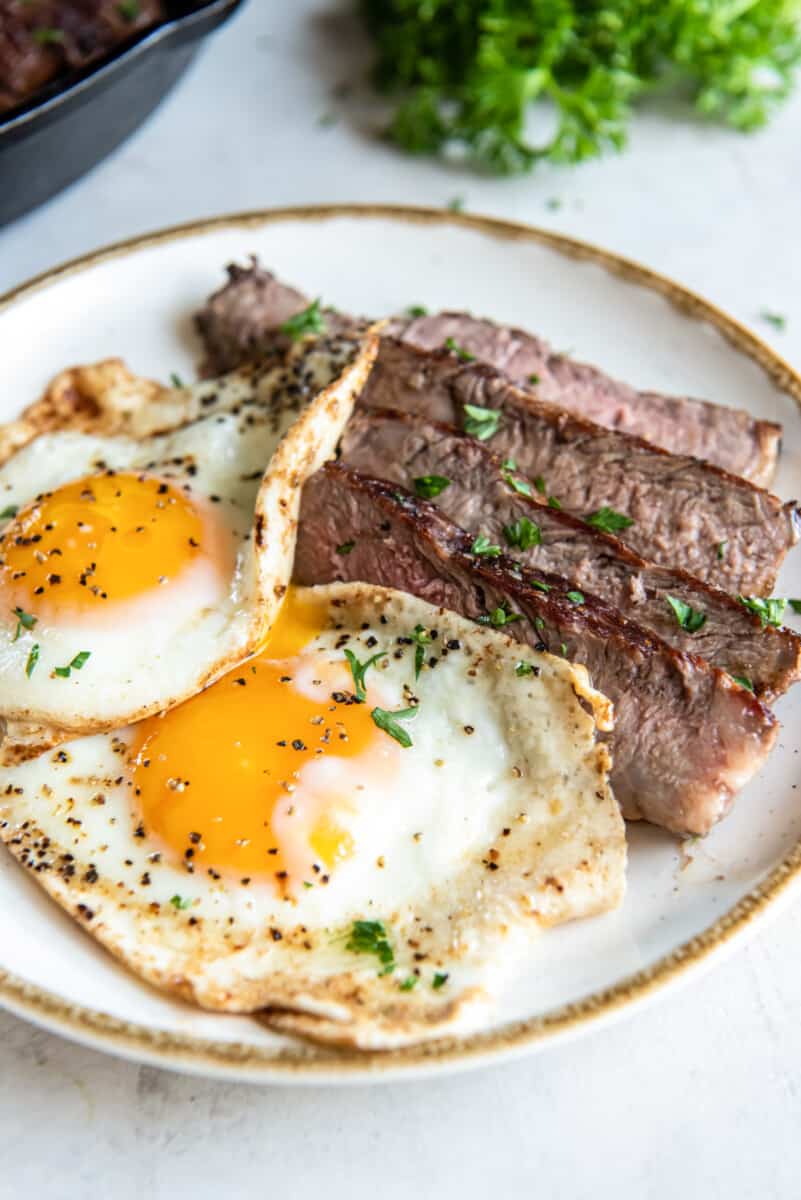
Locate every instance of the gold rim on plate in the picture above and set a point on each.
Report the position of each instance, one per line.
(318, 1064)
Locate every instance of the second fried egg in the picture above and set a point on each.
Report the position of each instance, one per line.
(363, 827)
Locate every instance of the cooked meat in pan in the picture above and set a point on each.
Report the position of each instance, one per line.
(687, 737)
(488, 497)
(41, 40)
(676, 510)
(240, 320)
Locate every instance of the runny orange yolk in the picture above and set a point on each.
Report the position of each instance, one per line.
(99, 540)
(213, 776)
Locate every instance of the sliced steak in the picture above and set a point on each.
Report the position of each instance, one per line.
(485, 498)
(686, 738)
(681, 509)
(240, 320)
(727, 437)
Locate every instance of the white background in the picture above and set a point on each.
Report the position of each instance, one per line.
(698, 1095)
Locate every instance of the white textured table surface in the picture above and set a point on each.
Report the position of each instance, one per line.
(698, 1094)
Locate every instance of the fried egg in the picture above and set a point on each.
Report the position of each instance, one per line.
(135, 569)
(356, 834)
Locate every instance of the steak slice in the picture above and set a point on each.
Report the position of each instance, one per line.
(240, 320)
(485, 497)
(681, 510)
(686, 738)
(728, 437)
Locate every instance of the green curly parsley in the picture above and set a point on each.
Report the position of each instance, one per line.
(468, 74)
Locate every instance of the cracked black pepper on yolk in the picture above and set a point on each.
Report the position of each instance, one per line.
(99, 540)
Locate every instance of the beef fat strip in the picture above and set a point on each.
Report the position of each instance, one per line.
(488, 498)
(674, 510)
(687, 737)
(240, 320)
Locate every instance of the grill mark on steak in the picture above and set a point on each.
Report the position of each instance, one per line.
(686, 736)
(240, 320)
(403, 446)
(681, 509)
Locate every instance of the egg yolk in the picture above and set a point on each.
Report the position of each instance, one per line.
(215, 777)
(99, 540)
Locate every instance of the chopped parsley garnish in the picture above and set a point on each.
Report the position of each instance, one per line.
(439, 980)
(744, 681)
(575, 597)
(459, 351)
(523, 668)
(770, 609)
(47, 37)
(24, 621)
(795, 605)
(421, 639)
(429, 486)
(533, 380)
(370, 937)
(388, 722)
(9, 511)
(554, 503)
(345, 547)
(481, 423)
(409, 983)
(175, 380)
(499, 617)
(563, 648)
(311, 320)
(521, 486)
(777, 320)
(539, 586)
(609, 521)
(553, 203)
(720, 549)
(522, 533)
(482, 545)
(689, 618)
(539, 624)
(76, 664)
(359, 669)
(128, 9)
(33, 659)
(540, 485)
(180, 902)
(456, 204)
(417, 310)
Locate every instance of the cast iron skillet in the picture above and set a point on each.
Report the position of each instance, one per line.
(75, 121)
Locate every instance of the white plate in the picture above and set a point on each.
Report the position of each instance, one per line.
(682, 906)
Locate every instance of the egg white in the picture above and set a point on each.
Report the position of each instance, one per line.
(496, 821)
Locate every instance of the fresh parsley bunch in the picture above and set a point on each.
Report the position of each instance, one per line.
(468, 71)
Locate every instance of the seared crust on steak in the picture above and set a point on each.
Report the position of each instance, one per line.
(681, 509)
(484, 496)
(239, 322)
(687, 737)
(727, 437)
